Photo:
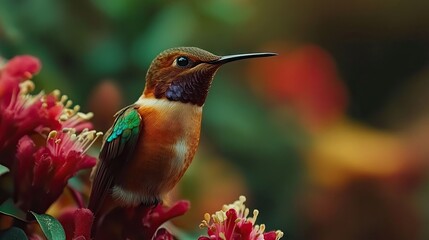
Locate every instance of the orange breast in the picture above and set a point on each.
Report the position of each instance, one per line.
(168, 142)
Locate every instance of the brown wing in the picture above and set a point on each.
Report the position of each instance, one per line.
(118, 147)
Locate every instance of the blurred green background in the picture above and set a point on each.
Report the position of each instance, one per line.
(329, 140)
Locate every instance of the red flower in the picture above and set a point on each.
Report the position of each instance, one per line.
(163, 234)
(42, 172)
(12, 75)
(22, 67)
(14, 72)
(77, 223)
(140, 222)
(58, 107)
(24, 114)
(232, 223)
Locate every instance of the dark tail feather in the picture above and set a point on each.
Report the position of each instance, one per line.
(98, 199)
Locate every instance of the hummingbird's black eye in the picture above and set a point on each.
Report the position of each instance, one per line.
(183, 61)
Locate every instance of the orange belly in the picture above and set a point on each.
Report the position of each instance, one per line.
(167, 145)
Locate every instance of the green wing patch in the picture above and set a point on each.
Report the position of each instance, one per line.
(126, 126)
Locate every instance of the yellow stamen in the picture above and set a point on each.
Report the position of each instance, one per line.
(207, 217)
(262, 228)
(68, 104)
(76, 108)
(279, 234)
(56, 93)
(26, 87)
(52, 134)
(63, 99)
(255, 216)
(86, 116)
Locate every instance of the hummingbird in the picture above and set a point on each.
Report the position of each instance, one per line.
(153, 141)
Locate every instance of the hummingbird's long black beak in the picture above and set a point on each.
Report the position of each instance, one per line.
(230, 58)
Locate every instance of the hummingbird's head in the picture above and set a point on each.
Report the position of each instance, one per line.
(185, 74)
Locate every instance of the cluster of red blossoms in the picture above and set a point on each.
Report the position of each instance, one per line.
(233, 223)
(38, 136)
(44, 143)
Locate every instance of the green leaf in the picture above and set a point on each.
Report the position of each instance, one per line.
(50, 226)
(3, 169)
(10, 209)
(13, 233)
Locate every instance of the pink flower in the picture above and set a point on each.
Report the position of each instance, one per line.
(27, 114)
(22, 67)
(58, 109)
(163, 234)
(42, 172)
(232, 223)
(77, 223)
(24, 114)
(160, 214)
(14, 72)
(141, 222)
